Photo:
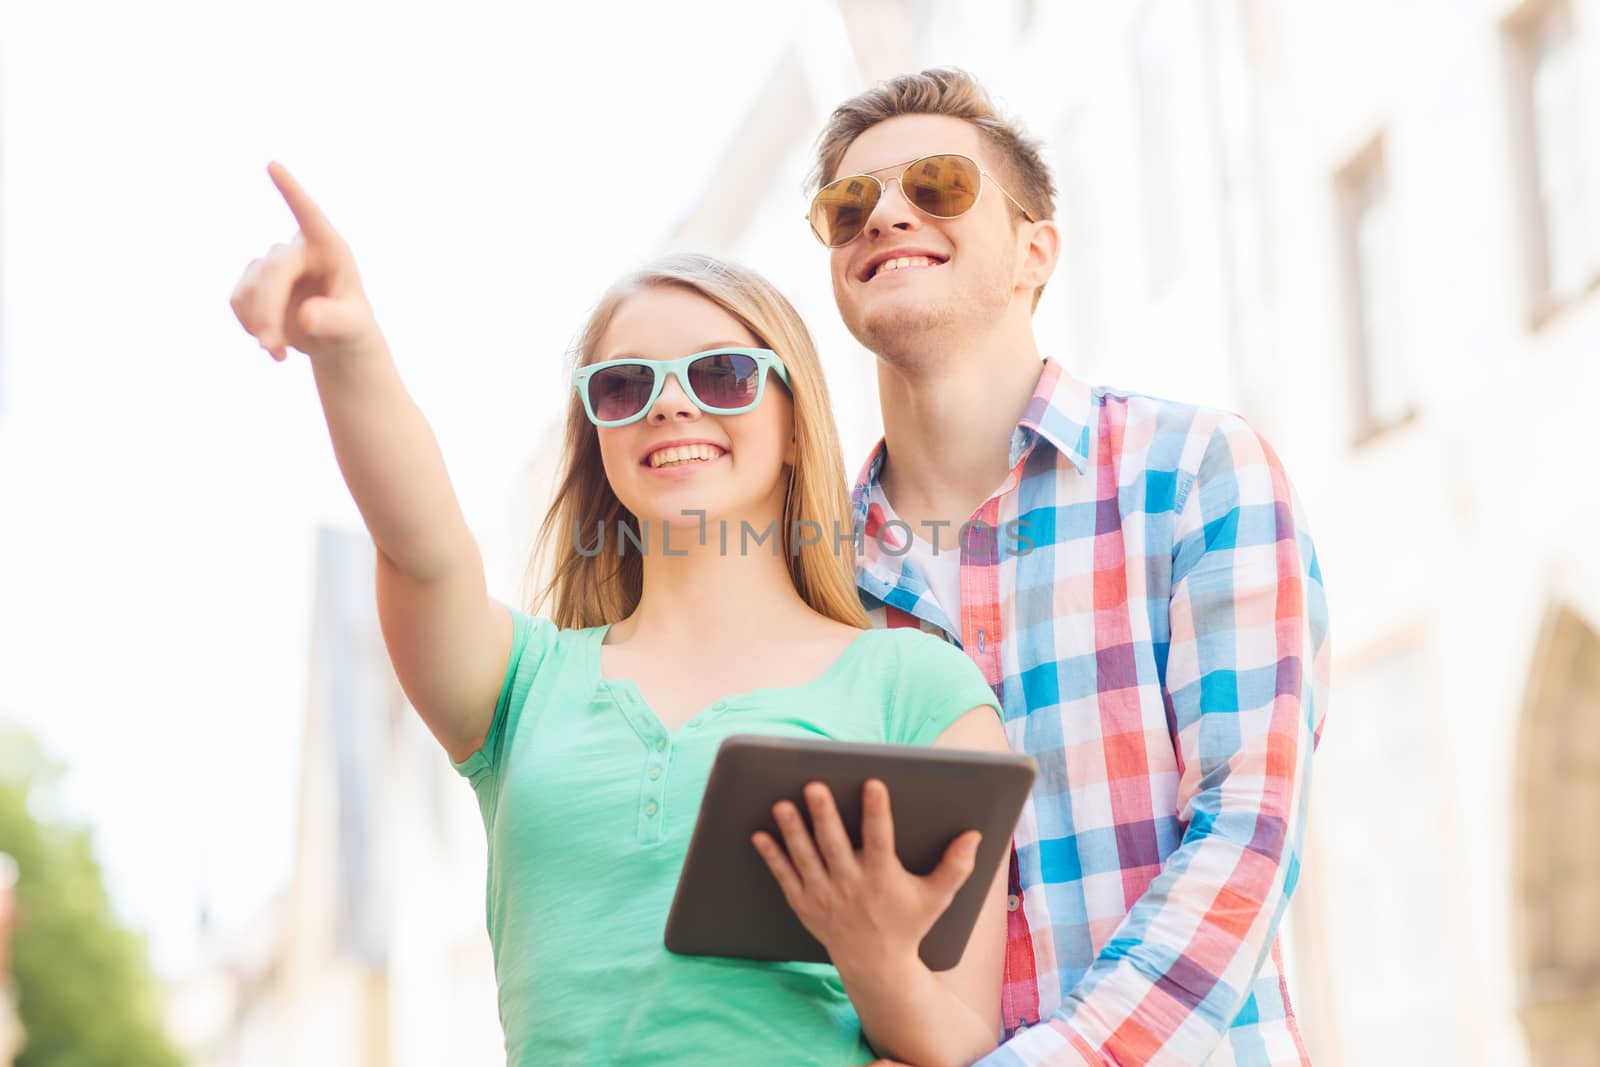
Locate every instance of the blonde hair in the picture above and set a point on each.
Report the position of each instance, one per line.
(582, 589)
(941, 91)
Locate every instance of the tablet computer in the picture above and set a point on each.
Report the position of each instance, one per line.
(729, 904)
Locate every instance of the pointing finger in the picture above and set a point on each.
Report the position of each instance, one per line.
(313, 223)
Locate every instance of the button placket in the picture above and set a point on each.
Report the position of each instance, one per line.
(650, 814)
(658, 752)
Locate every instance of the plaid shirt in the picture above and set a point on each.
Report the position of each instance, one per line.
(1147, 604)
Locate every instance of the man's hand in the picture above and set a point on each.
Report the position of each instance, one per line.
(867, 910)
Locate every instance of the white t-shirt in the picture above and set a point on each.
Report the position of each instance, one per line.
(942, 570)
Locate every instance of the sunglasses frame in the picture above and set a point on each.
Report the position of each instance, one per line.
(883, 188)
(765, 359)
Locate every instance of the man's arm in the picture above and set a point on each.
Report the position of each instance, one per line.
(1246, 684)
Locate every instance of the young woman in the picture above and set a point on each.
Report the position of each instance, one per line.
(690, 601)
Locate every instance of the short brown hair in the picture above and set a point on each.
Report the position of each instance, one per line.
(940, 91)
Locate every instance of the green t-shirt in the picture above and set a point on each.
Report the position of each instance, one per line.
(589, 802)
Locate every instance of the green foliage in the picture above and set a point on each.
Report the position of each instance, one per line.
(86, 994)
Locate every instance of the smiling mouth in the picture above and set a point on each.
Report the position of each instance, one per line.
(902, 263)
(683, 456)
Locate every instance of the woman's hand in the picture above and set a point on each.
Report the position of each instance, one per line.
(867, 910)
(306, 293)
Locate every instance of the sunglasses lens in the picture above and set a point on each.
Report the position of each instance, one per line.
(621, 392)
(840, 211)
(942, 186)
(725, 380)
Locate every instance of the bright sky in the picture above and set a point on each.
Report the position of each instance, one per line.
(160, 476)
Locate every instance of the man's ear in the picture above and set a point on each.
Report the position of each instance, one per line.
(1040, 250)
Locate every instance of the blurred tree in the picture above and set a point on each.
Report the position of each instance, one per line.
(85, 991)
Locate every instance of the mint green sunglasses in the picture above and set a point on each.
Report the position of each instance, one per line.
(722, 381)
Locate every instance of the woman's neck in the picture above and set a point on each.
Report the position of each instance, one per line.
(695, 593)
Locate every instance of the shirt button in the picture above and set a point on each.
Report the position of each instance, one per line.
(693, 724)
(1013, 902)
(650, 808)
(655, 772)
(661, 744)
(981, 640)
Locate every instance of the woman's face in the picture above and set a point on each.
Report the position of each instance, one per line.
(678, 458)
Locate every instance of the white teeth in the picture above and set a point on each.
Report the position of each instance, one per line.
(905, 261)
(677, 454)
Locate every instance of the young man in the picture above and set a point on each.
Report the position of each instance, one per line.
(1132, 576)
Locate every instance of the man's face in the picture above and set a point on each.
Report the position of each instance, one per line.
(963, 272)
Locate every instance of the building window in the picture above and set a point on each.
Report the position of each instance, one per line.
(1557, 865)
(1561, 213)
(1382, 378)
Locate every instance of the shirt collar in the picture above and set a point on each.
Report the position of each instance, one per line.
(1058, 413)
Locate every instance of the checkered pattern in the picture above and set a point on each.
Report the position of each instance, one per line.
(1149, 609)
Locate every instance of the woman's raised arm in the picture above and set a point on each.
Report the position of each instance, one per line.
(448, 641)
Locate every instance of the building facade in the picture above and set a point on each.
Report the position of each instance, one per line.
(375, 954)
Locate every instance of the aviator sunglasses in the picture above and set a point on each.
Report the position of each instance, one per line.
(944, 186)
(722, 381)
